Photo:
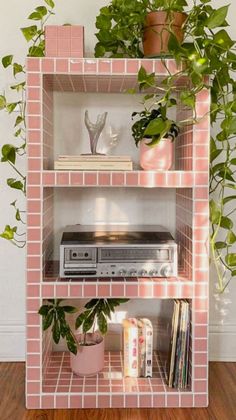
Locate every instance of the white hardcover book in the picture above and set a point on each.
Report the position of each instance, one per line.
(93, 166)
(130, 348)
(93, 158)
(145, 347)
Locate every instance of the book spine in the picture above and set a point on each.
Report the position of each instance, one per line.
(131, 350)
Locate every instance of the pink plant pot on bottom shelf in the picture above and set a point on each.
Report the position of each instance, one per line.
(156, 158)
(89, 359)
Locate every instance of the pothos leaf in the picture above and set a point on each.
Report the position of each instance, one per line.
(50, 3)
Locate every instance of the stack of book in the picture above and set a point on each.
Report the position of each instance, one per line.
(178, 359)
(93, 163)
(138, 347)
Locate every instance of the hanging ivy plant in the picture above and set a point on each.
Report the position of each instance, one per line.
(14, 150)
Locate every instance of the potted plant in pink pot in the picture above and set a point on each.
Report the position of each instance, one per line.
(155, 133)
(86, 343)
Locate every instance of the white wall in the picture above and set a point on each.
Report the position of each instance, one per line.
(12, 260)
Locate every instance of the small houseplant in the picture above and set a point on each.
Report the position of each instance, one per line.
(86, 348)
(123, 26)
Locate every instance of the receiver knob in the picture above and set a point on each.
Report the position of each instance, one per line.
(122, 272)
(133, 273)
(143, 273)
(153, 273)
(166, 270)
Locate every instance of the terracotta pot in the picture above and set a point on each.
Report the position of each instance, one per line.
(156, 158)
(157, 31)
(89, 359)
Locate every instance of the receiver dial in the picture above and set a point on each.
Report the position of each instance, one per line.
(166, 270)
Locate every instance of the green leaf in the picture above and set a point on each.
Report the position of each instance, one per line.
(3, 102)
(47, 320)
(11, 107)
(50, 3)
(79, 320)
(17, 215)
(8, 232)
(44, 309)
(229, 124)
(36, 51)
(88, 323)
(7, 61)
(100, 51)
(226, 223)
(14, 183)
(42, 10)
(222, 39)
(103, 22)
(91, 303)
(19, 120)
(18, 87)
(230, 259)
(228, 199)
(217, 17)
(56, 331)
(231, 237)
(71, 344)
(215, 213)
(102, 323)
(220, 245)
(29, 32)
(17, 68)
(69, 309)
(8, 153)
(188, 98)
(35, 16)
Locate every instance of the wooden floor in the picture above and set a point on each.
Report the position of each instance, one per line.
(222, 400)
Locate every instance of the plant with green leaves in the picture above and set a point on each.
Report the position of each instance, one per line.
(121, 25)
(14, 150)
(95, 315)
(54, 317)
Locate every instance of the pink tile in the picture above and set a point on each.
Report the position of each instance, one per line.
(47, 401)
(158, 290)
(200, 358)
(131, 401)
(32, 402)
(33, 178)
(186, 400)
(48, 65)
(32, 305)
(131, 179)
(103, 290)
(33, 94)
(33, 360)
(90, 66)
(145, 401)
(118, 66)
(200, 331)
(200, 372)
(172, 401)
(34, 123)
(33, 374)
(201, 137)
(131, 290)
(201, 304)
(132, 66)
(49, 178)
(90, 290)
(64, 46)
(64, 31)
(76, 290)
(89, 401)
(201, 207)
(148, 65)
(104, 178)
(33, 79)
(62, 290)
(33, 290)
(34, 150)
(34, 220)
(77, 31)
(51, 31)
(34, 164)
(33, 262)
(203, 96)
(62, 66)
(33, 276)
(33, 332)
(160, 68)
(104, 66)
(145, 290)
(33, 387)
(200, 386)
(33, 319)
(76, 66)
(90, 178)
(201, 151)
(201, 193)
(33, 346)
(47, 290)
(118, 290)
(117, 401)
(160, 179)
(201, 318)
(201, 164)
(200, 400)
(173, 179)
(62, 178)
(118, 178)
(202, 109)
(186, 180)
(62, 401)
(103, 401)
(33, 108)
(77, 178)
(75, 401)
(33, 234)
(172, 66)
(33, 64)
(158, 400)
(34, 136)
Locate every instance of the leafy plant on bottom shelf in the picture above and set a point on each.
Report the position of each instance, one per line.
(14, 150)
(95, 314)
(207, 49)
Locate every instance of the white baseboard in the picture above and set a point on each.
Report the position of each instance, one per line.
(12, 342)
(222, 343)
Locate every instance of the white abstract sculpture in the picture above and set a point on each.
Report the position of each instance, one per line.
(95, 130)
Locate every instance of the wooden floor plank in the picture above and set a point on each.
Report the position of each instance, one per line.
(222, 400)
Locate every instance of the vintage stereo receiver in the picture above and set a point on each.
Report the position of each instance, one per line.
(117, 251)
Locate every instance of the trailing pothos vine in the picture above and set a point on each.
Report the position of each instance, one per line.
(16, 148)
(207, 50)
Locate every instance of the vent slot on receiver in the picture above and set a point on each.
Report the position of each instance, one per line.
(135, 254)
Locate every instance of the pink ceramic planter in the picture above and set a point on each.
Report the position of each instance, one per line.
(156, 158)
(89, 360)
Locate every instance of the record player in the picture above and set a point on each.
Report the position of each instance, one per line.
(117, 251)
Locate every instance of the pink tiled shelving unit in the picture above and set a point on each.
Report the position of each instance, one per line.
(49, 381)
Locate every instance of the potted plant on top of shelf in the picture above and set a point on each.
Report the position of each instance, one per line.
(86, 348)
(123, 26)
